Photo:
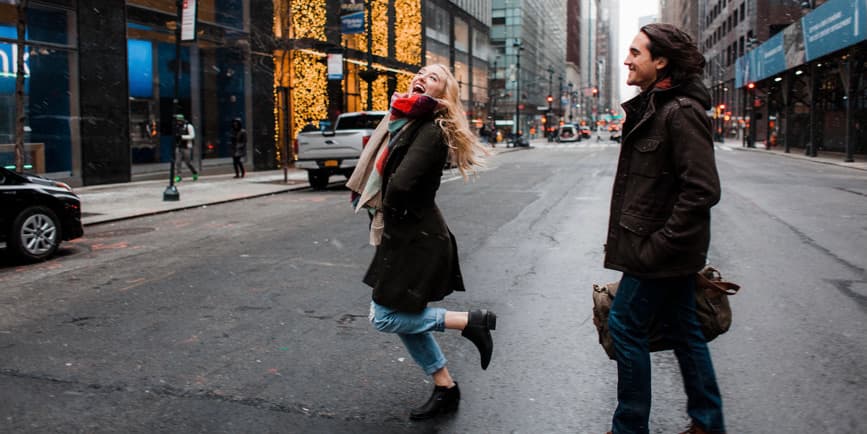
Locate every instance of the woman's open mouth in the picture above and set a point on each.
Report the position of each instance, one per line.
(417, 88)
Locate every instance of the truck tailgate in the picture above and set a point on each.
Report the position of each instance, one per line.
(315, 146)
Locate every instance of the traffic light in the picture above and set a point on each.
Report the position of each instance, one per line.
(751, 85)
(595, 92)
(722, 107)
(550, 99)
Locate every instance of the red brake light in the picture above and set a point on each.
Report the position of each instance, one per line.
(364, 141)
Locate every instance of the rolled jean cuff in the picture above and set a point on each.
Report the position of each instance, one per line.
(436, 366)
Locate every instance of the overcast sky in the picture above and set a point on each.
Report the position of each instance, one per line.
(630, 10)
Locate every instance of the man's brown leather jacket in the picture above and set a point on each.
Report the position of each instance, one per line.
(665, 185)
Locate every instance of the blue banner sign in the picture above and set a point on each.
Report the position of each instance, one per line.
(352, 23)
(834, 25)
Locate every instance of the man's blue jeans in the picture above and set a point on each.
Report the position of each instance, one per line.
(414, 330)
(673, 301)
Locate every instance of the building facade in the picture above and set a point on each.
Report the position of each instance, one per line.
(457, 34)
(802, 85)
(104, 78)
(681, 13)
(528, 64)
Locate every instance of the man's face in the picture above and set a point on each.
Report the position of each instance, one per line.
(643, 69)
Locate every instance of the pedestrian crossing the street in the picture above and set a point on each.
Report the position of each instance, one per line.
(577, 145)
(597, 145)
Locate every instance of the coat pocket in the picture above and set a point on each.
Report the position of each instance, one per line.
(640, 226)
(648, 160)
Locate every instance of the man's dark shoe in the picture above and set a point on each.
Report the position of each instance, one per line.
(443, 400)
(478, 331)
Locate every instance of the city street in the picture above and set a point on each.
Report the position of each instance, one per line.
(250, 316)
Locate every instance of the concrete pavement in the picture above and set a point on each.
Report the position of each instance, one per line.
(112, 202)
(822, 157)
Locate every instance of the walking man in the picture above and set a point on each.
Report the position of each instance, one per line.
(659, 226)
(185, 136)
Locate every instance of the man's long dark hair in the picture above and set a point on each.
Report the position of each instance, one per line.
(685, 62)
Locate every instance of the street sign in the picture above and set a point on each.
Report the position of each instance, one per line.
(352, 23)
(188, 21)
(335, 66)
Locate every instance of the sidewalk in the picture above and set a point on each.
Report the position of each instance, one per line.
(823, 157)
(113, 202)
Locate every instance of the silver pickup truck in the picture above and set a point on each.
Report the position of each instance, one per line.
(335, 152)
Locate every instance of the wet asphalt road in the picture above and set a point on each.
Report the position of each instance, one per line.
(250, 316)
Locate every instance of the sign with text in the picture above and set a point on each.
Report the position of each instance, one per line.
(834, 25)
(188, 21)
(335, 66)
(352, 23)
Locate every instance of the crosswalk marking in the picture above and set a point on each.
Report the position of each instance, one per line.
(577, 145)
(601, 145)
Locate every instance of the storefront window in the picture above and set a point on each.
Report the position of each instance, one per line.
(211, 87)
(229, 13)
(49, 105)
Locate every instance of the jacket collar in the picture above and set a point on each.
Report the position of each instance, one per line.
(644, 104)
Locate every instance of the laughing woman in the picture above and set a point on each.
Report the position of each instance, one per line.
(416, 259)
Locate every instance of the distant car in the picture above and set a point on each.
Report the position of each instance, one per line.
(585, 131)
(36, 215)
(568, 133)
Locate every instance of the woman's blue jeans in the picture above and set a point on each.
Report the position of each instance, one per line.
(414, 329)
(672, 300)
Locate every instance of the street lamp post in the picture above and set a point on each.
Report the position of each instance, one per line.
(560, 97)
(518, 47)
(550, 99)
(492, 92)
(369, 75)
(171, 193)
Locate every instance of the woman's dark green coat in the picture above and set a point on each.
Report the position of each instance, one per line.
(417, 261)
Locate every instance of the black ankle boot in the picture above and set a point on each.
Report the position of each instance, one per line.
(443, 400)
(478, 330)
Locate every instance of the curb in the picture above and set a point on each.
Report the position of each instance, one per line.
(802, 157)
(188, 207)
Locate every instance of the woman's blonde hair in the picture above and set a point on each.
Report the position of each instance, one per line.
(465, 151)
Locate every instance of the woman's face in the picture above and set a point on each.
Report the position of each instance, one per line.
(428, 81)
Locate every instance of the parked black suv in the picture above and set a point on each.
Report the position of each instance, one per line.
(36, 215)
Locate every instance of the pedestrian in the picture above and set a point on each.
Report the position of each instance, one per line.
(239, 147)
(484, 134)
(416, 258)
(185, 136)
(659, 226)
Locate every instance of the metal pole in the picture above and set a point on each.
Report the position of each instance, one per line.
(369, 53)
(848, 91)
(811, 144)
(171, 192)
(517, 91)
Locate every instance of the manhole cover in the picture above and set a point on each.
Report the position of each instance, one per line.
(119, 232)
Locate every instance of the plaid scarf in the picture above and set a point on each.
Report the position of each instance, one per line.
(367, 193)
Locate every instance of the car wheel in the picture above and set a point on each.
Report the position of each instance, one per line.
(318, 179)
(35, 234)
